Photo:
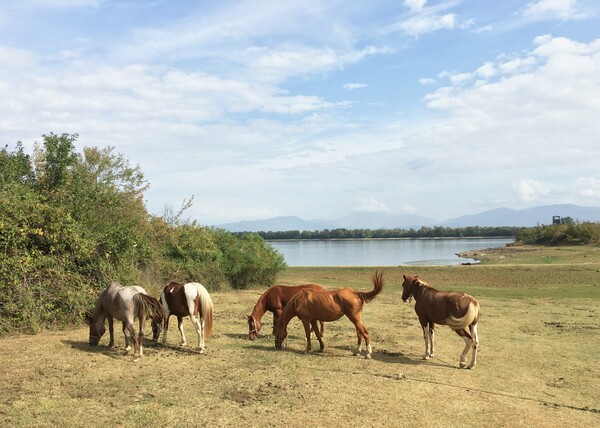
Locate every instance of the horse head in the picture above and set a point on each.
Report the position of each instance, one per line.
(407, 287)
(253, 327)
(280, 335)
(95, 331)
(156, 328)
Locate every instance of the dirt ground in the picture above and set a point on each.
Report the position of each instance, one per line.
(538, 365)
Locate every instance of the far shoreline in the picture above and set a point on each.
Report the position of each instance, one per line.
(391, 239)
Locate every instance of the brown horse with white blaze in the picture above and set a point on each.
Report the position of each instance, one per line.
(274, 300)
(457, 310)
(312, 306)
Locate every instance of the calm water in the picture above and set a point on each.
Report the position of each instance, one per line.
(382, 252)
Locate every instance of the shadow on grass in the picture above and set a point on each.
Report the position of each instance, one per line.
(118, 352)
(94, 350)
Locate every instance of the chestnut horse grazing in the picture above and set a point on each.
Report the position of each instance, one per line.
(183, 300)
(457, 310)
(274, 300)
(124, 303)
(312, 306)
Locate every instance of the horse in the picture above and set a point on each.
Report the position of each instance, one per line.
(457, 310)
(182, 300)
(124, 303)
(311, 306)
(274, 300)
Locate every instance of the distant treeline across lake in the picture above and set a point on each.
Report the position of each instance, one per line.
(423, 232)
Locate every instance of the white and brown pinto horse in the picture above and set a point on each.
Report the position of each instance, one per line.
(183, 300)
(124, 303)
(274, 300)
(457, 310)
(312, 306)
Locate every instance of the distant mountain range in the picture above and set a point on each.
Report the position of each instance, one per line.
(493, 218)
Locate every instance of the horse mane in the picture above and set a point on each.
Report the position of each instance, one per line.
(289, 310)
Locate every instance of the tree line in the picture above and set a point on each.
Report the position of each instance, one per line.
(72, 222)
(423, 232)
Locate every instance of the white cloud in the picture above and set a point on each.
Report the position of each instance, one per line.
(530, 190)
(279, 63)
(422, 24)
(415, 5)
(428, 81)
(16, 58)
(65, 3)
(352, 86)
(369, 204)
(486, 71)
(552, 9)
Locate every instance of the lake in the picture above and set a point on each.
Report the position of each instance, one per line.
(382, 252)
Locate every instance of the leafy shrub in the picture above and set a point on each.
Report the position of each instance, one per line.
(70, 223)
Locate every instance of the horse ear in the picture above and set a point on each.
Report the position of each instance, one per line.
(404, 276)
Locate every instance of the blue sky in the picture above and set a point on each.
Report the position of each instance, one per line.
(317, 109)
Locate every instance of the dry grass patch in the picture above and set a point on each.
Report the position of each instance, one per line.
(538, 366)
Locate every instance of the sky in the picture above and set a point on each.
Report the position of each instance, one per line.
(317, 109)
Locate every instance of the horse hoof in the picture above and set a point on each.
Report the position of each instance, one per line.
(368, 356)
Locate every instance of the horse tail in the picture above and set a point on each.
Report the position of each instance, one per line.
(206, 308)
(377, 287)
(470, 317)
(149, 305)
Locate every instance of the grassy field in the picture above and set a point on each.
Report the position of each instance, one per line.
(538, 365)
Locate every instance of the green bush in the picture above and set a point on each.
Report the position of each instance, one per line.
(70, 223)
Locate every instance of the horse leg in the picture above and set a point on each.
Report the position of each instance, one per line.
(306, 324)
(359, 346)
(475, 344)
(322, 333)
(432, 339)
(125, 333)
(427, 339)
(140, 338)
(468, 343)
(136, 345)
(166, 327)
(315, 328)
(199, 331)
(180, 327)
(202, 344)
(111, 331)
(276, 316)
(361, 330)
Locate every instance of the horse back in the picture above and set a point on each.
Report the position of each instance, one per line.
(277, 296)
(318, 305)
(117, 300)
